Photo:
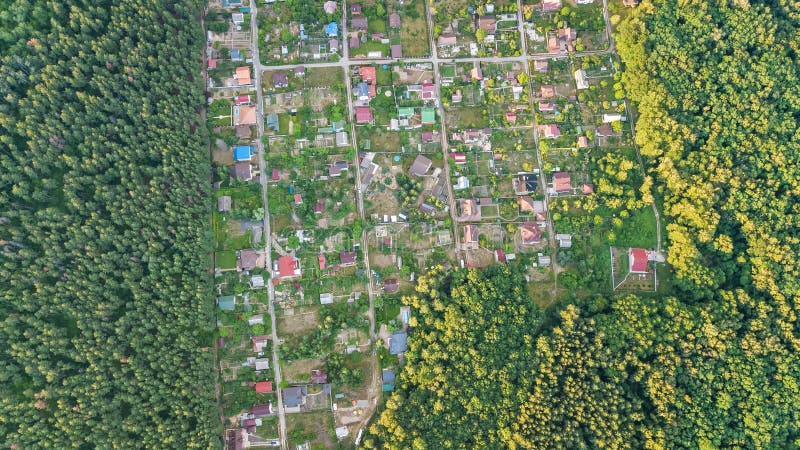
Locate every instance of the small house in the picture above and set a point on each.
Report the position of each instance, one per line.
(637, 260)
(398, 343)
(428, 116)
(249, 259)
(581, 82)
(562, 182)
(236, 55)
(272, 122)
(394, 20)
(446, 39)
(294, 398)
(551, 5)
(420, 166)
(457, 97)
(263, 387)
(564, 240)
(329, 7)
(257, 319)
(262, 363)
(242, 76)
(244, 115)
(242, 153)
(288, 267)
(224, 203)
(547, 91)
(242, 170)
(391, 285)
(280, 80)
(583, 142)
(541, 65)
(347, 259)
(364, 115)
(550, 131)
(358, 23)
(259, 342)
(531, 233)
(226, 302)
(260, 410)
(396, 51)
(487, 23)
(355, 9)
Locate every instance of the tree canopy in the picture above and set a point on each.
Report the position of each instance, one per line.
(105, 316)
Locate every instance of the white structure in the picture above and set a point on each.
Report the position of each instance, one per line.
(608, 118)
(258, 319)
(580, 79)
(326, 299)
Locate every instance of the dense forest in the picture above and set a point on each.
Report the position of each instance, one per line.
(717, 87)
(105, 307)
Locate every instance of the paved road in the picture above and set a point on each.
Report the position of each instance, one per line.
(262, 164)
(451, 201)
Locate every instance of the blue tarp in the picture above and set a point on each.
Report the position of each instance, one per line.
(332, 29)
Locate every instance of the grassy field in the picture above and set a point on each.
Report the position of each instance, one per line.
(226, 260)
(323, 76)
(414, 29)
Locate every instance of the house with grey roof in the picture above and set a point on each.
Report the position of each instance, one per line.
(294, 398)
(398, 343)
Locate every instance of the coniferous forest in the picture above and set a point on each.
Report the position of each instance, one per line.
(717, 87)
(105, 314)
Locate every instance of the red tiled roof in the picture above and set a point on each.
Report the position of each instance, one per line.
(286, 266)
(263, 387)
(562, 182)
(531, 233)
(212, 63)
(367, 73)
(321, 261)
(638, 260)
(241, 99)
(276, 175)
(363, 114)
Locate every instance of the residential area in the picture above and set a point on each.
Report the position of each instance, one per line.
(357, 145)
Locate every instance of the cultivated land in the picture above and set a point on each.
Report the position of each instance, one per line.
(342, 174)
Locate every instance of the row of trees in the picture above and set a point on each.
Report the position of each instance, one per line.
(105, 310)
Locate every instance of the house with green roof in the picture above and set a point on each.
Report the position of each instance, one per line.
(226, 302)
(428, 116)
(405, 112)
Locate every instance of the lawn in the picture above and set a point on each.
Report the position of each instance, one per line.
(414, 29)
(323, 76)
(638, 230)
(226, 260)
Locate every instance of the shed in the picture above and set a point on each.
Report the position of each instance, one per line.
(394, 20)
(326, 298)
(262, 363)
(257, 319)
(272, 122)
(224, 203)
(226, 302)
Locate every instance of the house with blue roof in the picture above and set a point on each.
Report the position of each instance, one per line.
(362, 91)
(236, 55)
(242, 153)
(303, 35)
(332, 29)
(226, 302)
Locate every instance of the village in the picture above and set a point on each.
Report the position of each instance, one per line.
(357, 145)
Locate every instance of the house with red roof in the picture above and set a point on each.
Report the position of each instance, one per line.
(637, 260)
(321, 261)
(347, 259)
(298, 199)
(276, 175)
(288, 267)
(549, 131)
(263, 387)
(259, 342)
(364, 115)
(367, 74)
(459, 157)
(241, 100)
(562, 182)
(531, 233)
(511, 117)
(428, 91)
(500, 256)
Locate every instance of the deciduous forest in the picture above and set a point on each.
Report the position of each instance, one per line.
(714, 366)
(105, 316)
